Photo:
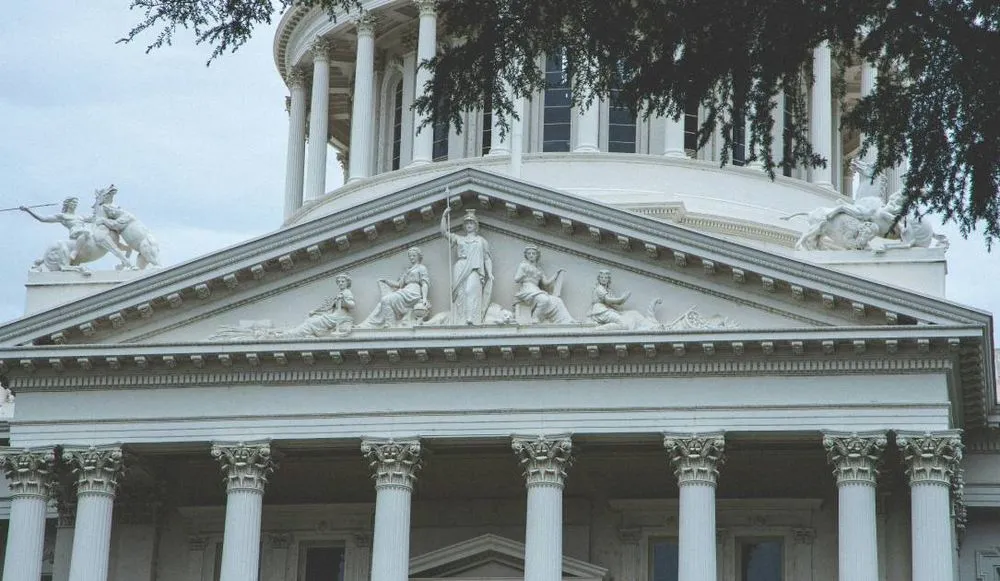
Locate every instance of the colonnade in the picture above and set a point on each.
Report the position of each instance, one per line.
(930, 459)
(306, 167)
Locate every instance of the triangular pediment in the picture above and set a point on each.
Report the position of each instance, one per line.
(490, 556)
(718, 296)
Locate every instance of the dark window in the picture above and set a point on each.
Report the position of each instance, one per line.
(555, 130)
(760, 560)
(440, 151)
(621, 126)
(663, 559)
(739, 151)
(788, 140)
(397, 124)
(324, 564)
(691, 126)
(487, 141)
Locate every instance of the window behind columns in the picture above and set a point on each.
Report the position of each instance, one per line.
(738, 155)
(621, 126)
(487, 140)
(440, 149)
(322, 564)
(691, 127)
(759, 559)
(397, 123)
(787, 137)
(556, 119)
(663, 559)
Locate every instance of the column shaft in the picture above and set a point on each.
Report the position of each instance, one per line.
(588, 127)
(361, 115)
(92, 537)
(821, 115)
(409, 88)
(423, 139)
(241, 543)
(543, 535)
(696, 528)
(673, 137)
(23, 559)
(857, 535)
(391, 541)
(296, 159)
(500, 145)
(931, 532)
(318, 123)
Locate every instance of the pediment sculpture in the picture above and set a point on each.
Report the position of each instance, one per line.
(109, 229)
(869, 223)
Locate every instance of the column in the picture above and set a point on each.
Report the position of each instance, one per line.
(409, 47)
(545, 460)
(501, 145)
(696, 459)
(673, 136)
(319, 119)
(588, 126)
(423, 139)
(29, 474)
(821, 115)
(855, 459)
(931, 460)
(245, 468)
(361, 114)
(295, 162)
(98, 470)
(778, 129)
(869, 79)
(394, 466)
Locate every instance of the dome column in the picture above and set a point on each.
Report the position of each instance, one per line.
(394, 466)
(821, 116)
(245, 467)
(319, 119)
(501, 145)
(361, 116)
(673, 137)
(696, 459)
(97, 470)
(855, 459)
(423, 139)
(295, 163)
(29, 474)
(931, 460)
(545, 460)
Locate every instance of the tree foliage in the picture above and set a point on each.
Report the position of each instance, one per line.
(936, 102)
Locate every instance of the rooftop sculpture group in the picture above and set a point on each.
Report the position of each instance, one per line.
(404, 303)
(109, 229)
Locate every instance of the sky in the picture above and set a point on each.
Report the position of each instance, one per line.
(197, 153)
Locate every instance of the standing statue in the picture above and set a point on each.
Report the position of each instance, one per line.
(472, 274)
(545, 305)
(403, 302)
(91, 237)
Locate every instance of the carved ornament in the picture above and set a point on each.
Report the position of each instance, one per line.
(855, 457)
(245, 466)
(931, 457)
(394, 464)
(545, 459)
(696, 458)
(28, 471)
(97, 468)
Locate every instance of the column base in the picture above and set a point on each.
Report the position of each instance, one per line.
(498, 153)
(825, 185)
(676, 153)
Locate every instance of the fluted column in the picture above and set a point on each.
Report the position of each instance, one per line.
(423, 141)
(821, 115)
(319, 119)
(931, 459)
(545, 460)
(361, 114)
(98, 470)
(500, 145)
(673, 137)
(696, 459)
(588, 126)
(295, 162)
(29, 475)
(245, 468)
(855, 459)
(394, 466)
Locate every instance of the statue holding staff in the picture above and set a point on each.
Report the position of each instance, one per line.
(472, 273)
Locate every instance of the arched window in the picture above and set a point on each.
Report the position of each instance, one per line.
(556, 120)
(397, 124)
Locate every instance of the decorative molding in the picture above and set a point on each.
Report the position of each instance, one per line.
(696, 457)
(931, 457)
(29, 471)
(988, 565)
(97, 468)
(855, 457)
(321, 49)
(394, 464)
(245, 465)
(545, 459)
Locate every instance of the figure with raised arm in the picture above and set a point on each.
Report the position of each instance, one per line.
(403, 302)
(472, 273)
(76, 224)
(538, 292)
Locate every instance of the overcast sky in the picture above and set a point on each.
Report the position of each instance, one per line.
(198, 154)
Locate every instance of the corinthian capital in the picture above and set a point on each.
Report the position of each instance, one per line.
(930, 457)
(365, 24)
(28, 471)
(427, 7)
(296, 78)
(245, 465)
(855, 457)
(696, 458)
(97, 468)
(545, 458)
(394, 464)
(320, 49)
